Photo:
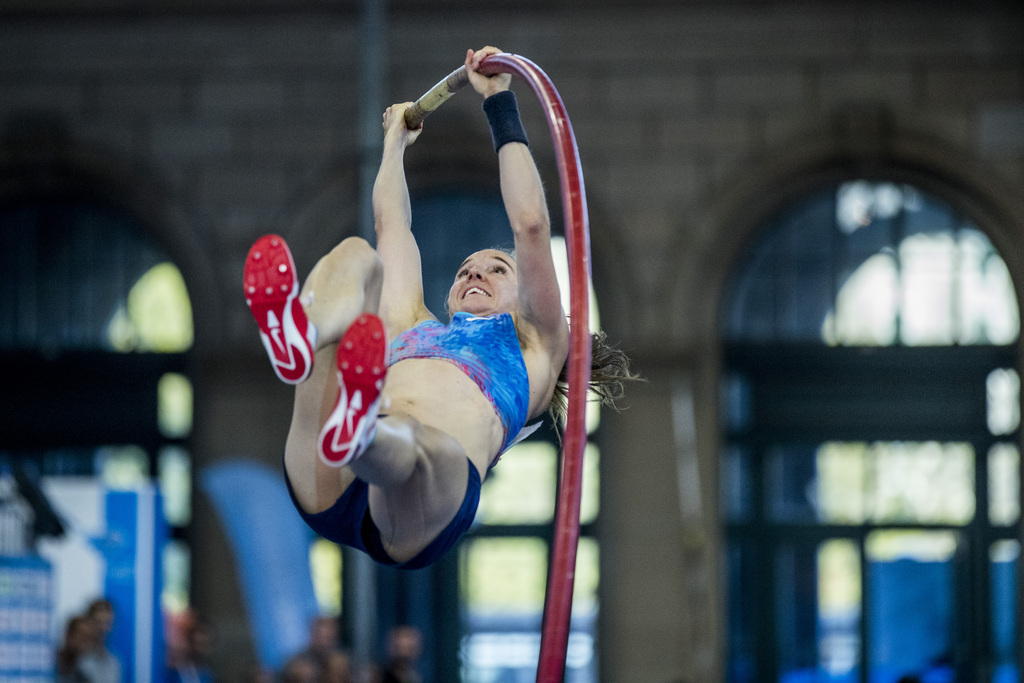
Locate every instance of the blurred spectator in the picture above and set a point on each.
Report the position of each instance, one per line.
(97, 662)
(190, 661)
(300, 669)
(323, 640)
(338, 668)
(324, 651)
(78, 636)
(405, 645)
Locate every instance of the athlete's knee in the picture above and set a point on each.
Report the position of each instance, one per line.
(425, 447)
(361, 256)
(357, 248)
(435, 448)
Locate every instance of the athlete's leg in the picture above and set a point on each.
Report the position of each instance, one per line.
(417, 476)
(343, 285)
(293, 325)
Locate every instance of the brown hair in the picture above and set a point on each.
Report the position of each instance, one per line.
(609, 370)
(74, 644)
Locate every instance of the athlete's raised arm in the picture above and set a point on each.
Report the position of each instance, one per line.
(402, 294)
(540, 305)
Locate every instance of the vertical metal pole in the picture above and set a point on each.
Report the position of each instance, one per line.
(362, 596)
(372, 73)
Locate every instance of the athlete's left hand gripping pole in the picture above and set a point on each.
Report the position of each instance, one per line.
(562, 568)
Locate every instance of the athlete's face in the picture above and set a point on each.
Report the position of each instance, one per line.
(486, 283)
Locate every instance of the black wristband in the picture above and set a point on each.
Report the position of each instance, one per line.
(503, 115)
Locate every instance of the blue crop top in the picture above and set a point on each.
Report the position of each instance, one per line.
(487, 350)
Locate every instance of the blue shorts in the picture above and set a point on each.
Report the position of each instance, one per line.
(348, 522)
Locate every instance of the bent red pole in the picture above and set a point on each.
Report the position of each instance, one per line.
(562, 567)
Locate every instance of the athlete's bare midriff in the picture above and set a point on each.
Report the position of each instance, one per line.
(437, 393)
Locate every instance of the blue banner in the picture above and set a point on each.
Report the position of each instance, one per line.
(271, 547)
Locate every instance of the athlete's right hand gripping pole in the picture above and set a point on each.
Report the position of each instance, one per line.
(562, 566)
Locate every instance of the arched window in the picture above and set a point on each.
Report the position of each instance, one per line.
(871, 404)
(95, 321)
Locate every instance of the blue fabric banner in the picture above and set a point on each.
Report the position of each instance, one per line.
(271, 548)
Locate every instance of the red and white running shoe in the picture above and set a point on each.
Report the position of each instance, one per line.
(362, 366)
(272, 292)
